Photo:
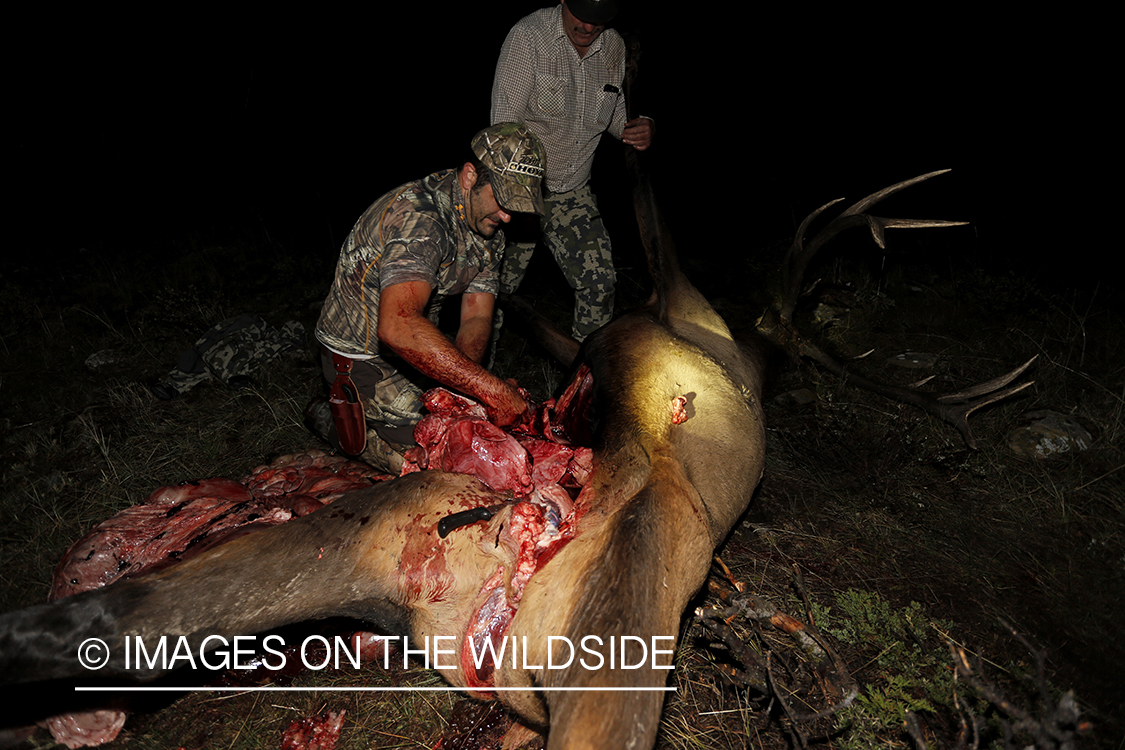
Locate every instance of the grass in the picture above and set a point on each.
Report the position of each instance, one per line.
(903, 539)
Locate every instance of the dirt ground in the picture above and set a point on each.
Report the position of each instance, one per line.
(873, 522)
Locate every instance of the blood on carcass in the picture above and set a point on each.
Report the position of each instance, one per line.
(537, 461)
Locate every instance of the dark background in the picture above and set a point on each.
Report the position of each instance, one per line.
(285, 127)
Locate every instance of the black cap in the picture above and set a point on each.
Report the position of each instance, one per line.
(592, 11)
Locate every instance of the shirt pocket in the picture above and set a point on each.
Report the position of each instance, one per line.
(605, 103)
(550, 94)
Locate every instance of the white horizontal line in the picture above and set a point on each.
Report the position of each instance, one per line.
(277, 689)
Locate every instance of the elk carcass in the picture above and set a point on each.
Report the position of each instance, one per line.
(678, 447)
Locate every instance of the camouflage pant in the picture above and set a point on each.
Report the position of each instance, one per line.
(234, 347)
(392, 405)
(574, 233)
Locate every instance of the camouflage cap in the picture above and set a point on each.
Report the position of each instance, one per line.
(593, 11)
(516, 159)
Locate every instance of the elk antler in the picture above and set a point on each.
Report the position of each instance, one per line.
(800, 254)
(953, 408)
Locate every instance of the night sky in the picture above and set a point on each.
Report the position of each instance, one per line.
(291, 125)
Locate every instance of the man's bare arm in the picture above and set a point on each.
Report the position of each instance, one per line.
(404, 327)
(476, 325)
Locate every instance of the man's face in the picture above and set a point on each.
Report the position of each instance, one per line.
(580, 33)
(484, 214)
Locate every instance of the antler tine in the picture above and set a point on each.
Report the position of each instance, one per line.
(797, 258)
(800, 254)
(861, 206)
(988, 386)
(959, 416)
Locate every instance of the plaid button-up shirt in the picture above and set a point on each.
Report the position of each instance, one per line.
(566, 100)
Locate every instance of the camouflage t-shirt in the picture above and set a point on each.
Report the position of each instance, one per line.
(413, 233)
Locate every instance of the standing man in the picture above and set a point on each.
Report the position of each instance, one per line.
(560, 73)
(415, 246)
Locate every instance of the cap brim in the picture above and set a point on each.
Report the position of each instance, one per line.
(512, 196)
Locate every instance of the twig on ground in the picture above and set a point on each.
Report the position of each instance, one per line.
(799, 583)
(1058, 725)
(778, 693)
(823, 665)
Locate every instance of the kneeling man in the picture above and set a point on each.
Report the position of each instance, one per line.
(415, 246)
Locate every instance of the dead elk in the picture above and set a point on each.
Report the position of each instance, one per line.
(679, 445)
